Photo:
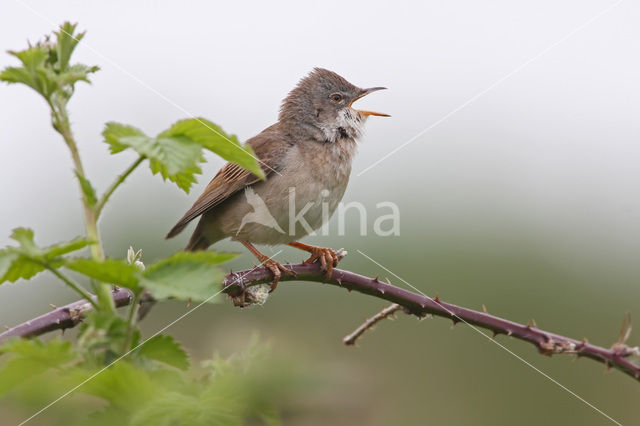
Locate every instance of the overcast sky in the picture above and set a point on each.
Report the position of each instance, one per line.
(531, 108)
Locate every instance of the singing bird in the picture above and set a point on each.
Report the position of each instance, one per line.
(306, 155)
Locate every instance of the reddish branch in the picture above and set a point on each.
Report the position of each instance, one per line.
(369, 323)
(70, 315)
(619, 356)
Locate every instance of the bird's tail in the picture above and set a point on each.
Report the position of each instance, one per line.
(197, 242)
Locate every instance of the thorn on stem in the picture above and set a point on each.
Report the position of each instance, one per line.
(484, 308)
(53, 306)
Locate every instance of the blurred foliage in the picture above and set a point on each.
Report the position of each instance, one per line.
(149, 387)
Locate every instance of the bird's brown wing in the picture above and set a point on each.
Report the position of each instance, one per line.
(268, 146)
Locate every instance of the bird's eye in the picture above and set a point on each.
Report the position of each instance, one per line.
(336, 97)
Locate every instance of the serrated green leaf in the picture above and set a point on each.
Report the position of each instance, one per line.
(31, 58)
(33, 72)
(28, 259)
(14, 266)
(31, 358)
(175, 159)
(7, 258)
(176, 153)
(18, 75)
(45, 66)
(114, 133)
(186, 275)
(75, 73)
(112, 271)
(67, 42)
(211, 136)
(87, 189)
(24, 237)
(64, 248)
(165, 349)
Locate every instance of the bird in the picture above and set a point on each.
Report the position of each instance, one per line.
(306, 157)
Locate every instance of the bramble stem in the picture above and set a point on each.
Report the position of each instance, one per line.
(82, 292)
(619, 355)
(121, 178)
(131, 322)
(60, 122)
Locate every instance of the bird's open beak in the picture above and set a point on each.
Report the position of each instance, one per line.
(364, 93)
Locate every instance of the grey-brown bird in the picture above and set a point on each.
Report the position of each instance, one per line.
(306, 158)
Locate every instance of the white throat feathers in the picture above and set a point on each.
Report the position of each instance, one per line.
(349, 124)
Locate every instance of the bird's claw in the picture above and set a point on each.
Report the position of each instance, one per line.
(328, 258)
(276, 269)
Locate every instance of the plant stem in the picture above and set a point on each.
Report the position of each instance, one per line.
(60, 121)
(121, 178)
(619, 355)
(82, 292)
(131, 321)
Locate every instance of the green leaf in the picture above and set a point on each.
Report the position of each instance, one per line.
(52, 353)
(32, 58)
(7, 258)
(176, 153)
(28, 259)
(87, 189)
(67, 42)
(109, 271)
(45, 66)
(123, 386)
(212, 137)
(15, 266)
(24, 237)
(117, 135)
(186, 275)
(77, 72)
(165, 349)
(31, 358)
(175, 159)
(18, 75)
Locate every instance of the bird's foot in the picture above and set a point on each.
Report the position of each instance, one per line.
(327, 257)
(277, 269)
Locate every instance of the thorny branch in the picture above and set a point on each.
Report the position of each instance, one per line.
(619, 355)
(70, 315)
(369, 323)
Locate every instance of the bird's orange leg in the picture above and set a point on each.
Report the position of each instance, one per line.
(273, 265)
(327, 256)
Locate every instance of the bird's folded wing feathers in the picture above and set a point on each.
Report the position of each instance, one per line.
(268, 147)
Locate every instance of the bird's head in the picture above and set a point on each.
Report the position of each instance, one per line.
(323, 102)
